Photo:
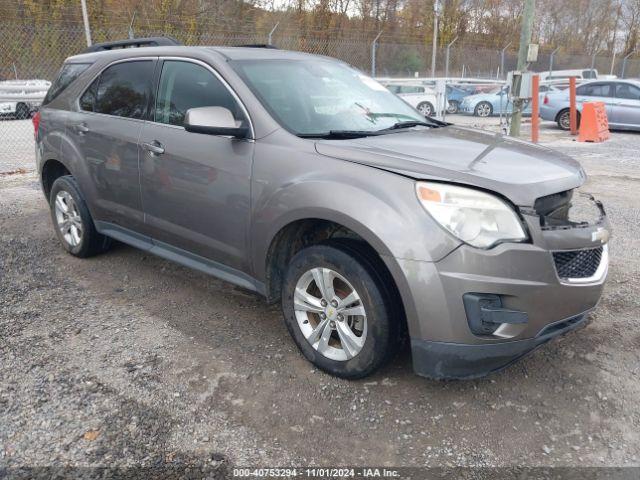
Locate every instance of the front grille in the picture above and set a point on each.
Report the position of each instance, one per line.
(577, 263)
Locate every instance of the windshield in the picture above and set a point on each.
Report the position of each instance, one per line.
(313, 97)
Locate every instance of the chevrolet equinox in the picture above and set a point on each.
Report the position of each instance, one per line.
(302, 179)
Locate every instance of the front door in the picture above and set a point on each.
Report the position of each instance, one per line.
(104, 132)
(195, 187)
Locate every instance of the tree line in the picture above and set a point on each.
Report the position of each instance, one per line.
(576, 26)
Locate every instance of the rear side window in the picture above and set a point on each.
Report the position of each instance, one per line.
(121, 90)
(185, 85)
(595, 90)
(68, 73)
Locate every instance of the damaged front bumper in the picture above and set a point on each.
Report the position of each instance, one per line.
(483, 309)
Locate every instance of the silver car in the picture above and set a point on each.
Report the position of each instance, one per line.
(621, 99)
(306, 181)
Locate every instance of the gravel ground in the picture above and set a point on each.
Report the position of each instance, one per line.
(128, 360)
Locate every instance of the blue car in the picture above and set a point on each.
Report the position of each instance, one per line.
(455, 95)
(496, 102)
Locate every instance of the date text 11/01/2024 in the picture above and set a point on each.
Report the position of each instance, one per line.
(315, 473)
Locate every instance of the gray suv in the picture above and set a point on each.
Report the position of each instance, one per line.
(302, 179)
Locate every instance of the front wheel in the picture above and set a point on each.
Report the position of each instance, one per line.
(426, 109)
(338, 311)
(483, 109)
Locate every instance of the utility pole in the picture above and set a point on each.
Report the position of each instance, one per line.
(85, 19)
(525, 40)
(434, 47)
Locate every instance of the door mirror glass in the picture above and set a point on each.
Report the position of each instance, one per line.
(214, 121)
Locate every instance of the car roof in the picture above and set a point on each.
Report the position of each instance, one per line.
(229, 53)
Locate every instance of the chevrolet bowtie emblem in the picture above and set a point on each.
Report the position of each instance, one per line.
(601, 234)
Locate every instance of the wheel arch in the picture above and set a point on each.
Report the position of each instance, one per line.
(319, 229)
(51, 170)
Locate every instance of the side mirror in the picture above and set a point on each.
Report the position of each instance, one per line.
(213, 121)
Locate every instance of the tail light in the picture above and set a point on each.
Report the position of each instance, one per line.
(36, 124)
(546, 100)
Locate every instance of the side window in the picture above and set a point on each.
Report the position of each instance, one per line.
(595, 90)
(627, 91)
(122, 90)
(88, 98)
(68, 73)
(185, 85)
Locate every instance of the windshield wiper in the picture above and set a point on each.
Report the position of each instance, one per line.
(342, 134)
(411, 124)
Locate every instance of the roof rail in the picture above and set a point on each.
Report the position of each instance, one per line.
(257, 45)
(133, 43)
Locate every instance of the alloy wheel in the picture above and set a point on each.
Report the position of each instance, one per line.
(425, 109)
(484, 110)
(330, 314)
(68, 218)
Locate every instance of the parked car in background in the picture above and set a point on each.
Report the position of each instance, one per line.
(420, 97)
(455, 95)
(621, 99)
(494, 102)
(497, 102)
(21, 98)
(564, 75)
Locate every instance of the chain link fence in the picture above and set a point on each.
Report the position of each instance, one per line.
(30, 53)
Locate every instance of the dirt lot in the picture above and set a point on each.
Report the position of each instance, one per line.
(126, 359)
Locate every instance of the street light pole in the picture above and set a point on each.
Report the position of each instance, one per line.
(85, 19)
(624, 62)
(436, 12)
(553, 54)
(446, 63)
(271, 32)
(374, 45)
(504, 74)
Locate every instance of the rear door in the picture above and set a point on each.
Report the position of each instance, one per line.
(626, 111)
(105, 132)
(196, 187)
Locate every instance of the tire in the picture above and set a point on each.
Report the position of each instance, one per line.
(453, 107)
(564, 121)
(74, 226)
(376, 335)
(483, 109)
(22, 111)
(426, 109)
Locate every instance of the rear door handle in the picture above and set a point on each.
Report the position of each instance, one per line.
(81, 128)
(154, 148)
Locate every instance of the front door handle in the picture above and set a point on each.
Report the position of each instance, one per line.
(154, 148)
(81, 128)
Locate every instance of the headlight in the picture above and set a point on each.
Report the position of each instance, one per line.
(475, 217)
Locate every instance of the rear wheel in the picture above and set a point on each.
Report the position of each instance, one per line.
(453, 106)
(426, 109)
(73, 223)
(483, 109)
(338, 311)
(564, 119)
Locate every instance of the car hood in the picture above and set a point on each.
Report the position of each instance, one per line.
(515, 169)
